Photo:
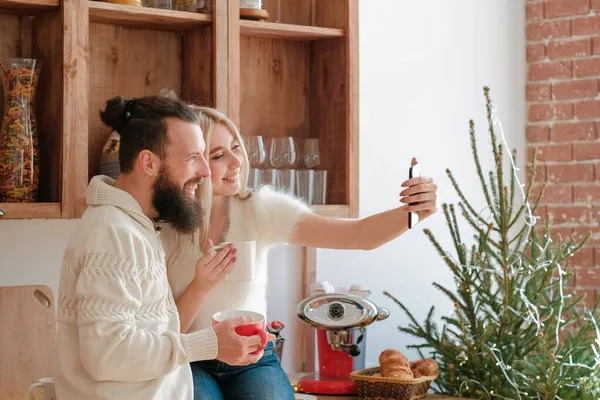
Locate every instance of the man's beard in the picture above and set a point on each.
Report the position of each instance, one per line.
(174, 205)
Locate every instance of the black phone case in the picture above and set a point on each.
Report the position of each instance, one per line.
(413, 217)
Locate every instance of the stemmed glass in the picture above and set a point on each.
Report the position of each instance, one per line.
(283, 152)
(256, 151)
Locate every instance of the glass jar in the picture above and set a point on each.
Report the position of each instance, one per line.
(19, 143)
(185, 5)
(162, 4)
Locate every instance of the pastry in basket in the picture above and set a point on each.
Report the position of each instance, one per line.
(397, 371)
(394, 365)
(424, 367)
(396, 378)
(392, 356)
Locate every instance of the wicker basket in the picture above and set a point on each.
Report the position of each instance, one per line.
(379, 388)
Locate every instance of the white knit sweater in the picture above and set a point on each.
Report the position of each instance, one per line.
(269, 218)
(118, 327)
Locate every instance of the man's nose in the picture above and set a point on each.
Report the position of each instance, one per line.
(203, 169)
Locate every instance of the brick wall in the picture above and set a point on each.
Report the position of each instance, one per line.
(563, 56)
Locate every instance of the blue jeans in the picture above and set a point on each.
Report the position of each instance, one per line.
(265, 380)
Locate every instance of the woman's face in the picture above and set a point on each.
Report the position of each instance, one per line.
(225, 161)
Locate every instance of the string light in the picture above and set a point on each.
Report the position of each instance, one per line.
(532, 314)
(530, 221)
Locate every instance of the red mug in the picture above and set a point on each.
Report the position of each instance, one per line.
(257, 327)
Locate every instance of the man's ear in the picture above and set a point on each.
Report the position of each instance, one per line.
(149, 163)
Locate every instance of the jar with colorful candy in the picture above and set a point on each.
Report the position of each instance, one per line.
(19, 145)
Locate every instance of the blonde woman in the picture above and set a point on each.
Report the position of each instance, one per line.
(234, 214)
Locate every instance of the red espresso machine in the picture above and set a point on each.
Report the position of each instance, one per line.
(340, 319)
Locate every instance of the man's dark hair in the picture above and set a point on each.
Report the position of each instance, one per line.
(141, 124)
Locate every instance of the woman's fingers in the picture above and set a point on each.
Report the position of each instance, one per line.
(225, 266)
(220, 256)
(417, 198)
(418, 180)
(423, 206)
(420, 188)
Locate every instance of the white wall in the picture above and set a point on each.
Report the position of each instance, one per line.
(422, 68)
(31, 251)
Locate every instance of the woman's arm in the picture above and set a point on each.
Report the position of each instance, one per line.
(210, 269)
(189, 304)
(373, 231)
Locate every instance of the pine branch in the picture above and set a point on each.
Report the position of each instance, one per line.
(447, 292)
(495, 194)
(408, 313)
(513, 172)
(455, 223)
(477, 228)
(477, 166)
(520, 237)
(488, 103)
(454, 231)
(463, 198)
(575, 249)
(455, 268)
(528, 189)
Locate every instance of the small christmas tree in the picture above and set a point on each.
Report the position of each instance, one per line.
(515, 332)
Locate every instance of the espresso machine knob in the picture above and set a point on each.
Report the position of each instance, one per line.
(336, 311)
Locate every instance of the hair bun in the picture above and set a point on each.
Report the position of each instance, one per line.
(114, 113)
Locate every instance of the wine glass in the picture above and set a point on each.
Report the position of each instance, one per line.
(256, 151)
(283, 152)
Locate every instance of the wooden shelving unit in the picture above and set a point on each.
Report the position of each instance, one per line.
(296, 77)
(299, 77)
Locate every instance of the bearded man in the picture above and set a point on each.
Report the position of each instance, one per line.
(118, 328)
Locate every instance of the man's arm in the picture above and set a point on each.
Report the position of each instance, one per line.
(109, 297)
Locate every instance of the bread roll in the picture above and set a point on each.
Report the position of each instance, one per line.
(394, 365)
(426, 366)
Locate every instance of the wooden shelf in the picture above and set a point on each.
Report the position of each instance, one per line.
(28, 6)
(334, 211)
(273, 30)
(30, 210)
(146, 18)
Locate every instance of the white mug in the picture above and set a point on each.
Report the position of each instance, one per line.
(243, 270)
(47, 385)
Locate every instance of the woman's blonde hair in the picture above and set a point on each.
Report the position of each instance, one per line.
(209, 118)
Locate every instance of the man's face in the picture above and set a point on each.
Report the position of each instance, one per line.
(182, 170)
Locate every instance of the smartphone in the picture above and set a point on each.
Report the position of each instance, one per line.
(413, 217)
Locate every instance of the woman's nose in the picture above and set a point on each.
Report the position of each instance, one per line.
(236, 162)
